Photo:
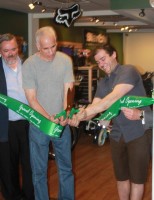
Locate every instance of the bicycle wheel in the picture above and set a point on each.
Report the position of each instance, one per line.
(102, 137)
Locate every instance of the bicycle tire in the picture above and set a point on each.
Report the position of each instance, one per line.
(102, 137)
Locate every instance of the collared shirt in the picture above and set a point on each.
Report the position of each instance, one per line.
(14, 87)
(127, 74)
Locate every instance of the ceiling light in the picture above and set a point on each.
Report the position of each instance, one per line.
(151, 3)
(115, 23)
(142, 13)
(36, 3)
(97, 20)
(122, 29)
(43, 10)
(92, 19)
(31, 6)
(126, 28)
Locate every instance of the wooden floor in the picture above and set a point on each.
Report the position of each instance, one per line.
(94, 178)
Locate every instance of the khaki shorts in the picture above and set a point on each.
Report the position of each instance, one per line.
(131, 160)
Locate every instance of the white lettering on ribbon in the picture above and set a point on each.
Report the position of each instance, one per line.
(129, 101)
(108, 115)
(3, 100)
(32, 116)
(56, 130)
(22, 108)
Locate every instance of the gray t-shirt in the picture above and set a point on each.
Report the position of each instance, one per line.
(48, 79)
(127, 74)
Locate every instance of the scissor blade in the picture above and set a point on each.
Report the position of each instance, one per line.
(70, 99)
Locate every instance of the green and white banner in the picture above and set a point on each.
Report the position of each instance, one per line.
(128, 102)
(55, 130)
(44, 124)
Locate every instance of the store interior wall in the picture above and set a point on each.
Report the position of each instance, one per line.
(133, 48)
(76, 34)
(139, 51)
(15, 23)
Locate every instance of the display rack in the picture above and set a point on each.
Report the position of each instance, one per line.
(86, 82)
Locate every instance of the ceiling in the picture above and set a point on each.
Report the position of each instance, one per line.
(111, 20)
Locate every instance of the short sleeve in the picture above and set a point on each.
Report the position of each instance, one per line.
(28, 75)
(69, 75)
(128, 75)
(101, 90)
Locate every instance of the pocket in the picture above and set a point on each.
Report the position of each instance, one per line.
(38, 136)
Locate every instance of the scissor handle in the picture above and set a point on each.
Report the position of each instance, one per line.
(61, 114)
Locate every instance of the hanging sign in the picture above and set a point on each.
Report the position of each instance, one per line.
(67, 16)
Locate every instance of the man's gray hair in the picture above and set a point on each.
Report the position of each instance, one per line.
(6, 37)
(47, 30)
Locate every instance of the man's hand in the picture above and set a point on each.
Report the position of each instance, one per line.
(74, 121)
(132, 113)
(82, 114)
(61, 120)
(52, 118)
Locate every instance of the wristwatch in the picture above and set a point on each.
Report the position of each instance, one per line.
(142, 116)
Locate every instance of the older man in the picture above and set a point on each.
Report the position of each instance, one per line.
(14, 143)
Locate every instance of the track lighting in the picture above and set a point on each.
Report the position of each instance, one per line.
(142, 13)
(115, 24)
(31, 6)
(94, 19)
(97, 20)
(43, 10)
(126, 27)
(36, 3)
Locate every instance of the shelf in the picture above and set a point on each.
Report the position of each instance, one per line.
(87, 86)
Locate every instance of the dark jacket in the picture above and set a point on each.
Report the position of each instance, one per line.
(3, 109)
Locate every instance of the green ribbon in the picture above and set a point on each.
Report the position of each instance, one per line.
(44, 124)
(64, 113)
(128, 102)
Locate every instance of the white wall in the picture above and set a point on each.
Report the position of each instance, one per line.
(33, 25)
(139, 50)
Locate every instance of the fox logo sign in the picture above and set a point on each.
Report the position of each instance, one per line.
(67, 16)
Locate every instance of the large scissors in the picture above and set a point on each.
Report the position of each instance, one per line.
(69, 111)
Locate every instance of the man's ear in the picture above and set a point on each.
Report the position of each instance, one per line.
(114, 55)
(38, 46)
